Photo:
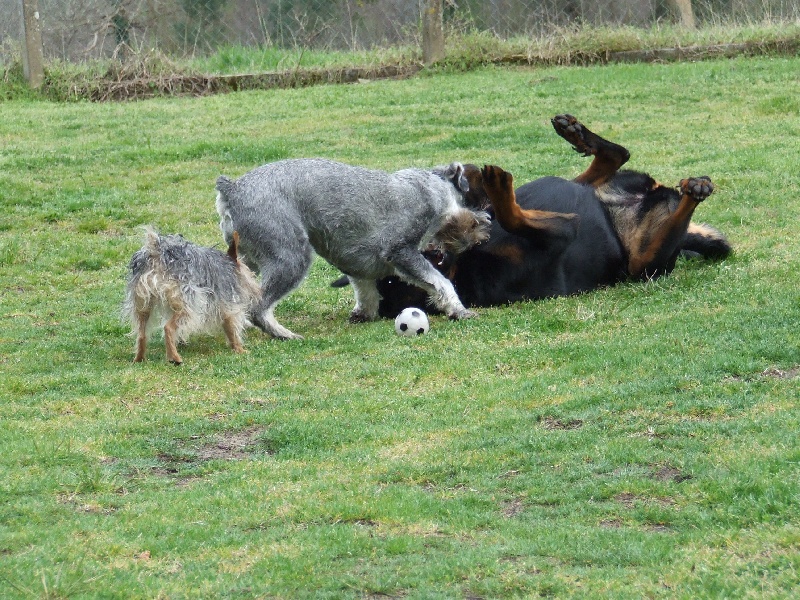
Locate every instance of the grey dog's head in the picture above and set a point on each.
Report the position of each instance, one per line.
(462, 230)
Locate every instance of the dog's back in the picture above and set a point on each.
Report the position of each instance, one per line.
(347, 213)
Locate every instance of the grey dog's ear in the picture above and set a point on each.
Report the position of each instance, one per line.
(455, 174)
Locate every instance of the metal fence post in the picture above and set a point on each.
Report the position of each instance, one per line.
(32, 54)
(432, 32)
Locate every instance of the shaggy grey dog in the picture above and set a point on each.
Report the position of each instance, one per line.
(367, 223)
(190, 288)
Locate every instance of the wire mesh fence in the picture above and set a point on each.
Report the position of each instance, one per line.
(79, 30)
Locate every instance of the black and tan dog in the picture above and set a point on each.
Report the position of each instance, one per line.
(555, 237)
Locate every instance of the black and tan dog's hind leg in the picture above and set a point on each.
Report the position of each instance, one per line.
(608, 156)
(545, 227)
(660, 234)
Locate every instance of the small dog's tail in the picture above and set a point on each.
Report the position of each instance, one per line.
(224, 188)
(152, 242)
(233, 247)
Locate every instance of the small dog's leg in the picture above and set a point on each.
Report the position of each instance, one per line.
(170, 339)
(231, 326)
(141, 340)
(367, 300)
(413, 268)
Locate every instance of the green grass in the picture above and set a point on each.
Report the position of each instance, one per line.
(637, 441)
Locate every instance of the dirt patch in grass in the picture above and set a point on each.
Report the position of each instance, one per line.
(513, 507)
(775, 373)
(551, 423)
(611, 523)
(669, 473)
(232, 445)
(626, 499)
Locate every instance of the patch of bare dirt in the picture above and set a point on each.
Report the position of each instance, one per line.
(233, 445)
(552, 423)
(775, 373)
(512, 508)
(669, 473)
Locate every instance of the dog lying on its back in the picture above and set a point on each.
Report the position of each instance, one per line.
(367, 223)
(191, 288)
(555, 237)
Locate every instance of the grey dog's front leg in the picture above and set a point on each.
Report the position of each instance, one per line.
(367, 300)
(411, 266)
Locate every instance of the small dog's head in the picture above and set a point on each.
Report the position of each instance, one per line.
(462, 230)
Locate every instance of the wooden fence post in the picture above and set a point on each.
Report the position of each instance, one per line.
(32, 53)
(685, 12)
(432, 32)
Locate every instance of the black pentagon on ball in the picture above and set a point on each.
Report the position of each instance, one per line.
(403, 326)
(420, 331)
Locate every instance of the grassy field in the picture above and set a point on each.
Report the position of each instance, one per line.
(638, 441)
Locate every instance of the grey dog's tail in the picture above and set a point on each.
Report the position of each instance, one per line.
(224, 188)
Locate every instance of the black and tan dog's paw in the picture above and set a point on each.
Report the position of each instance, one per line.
(497, 181)
(569, 128)
(698, 188)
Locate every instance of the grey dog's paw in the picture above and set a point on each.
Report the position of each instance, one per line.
(463, 314)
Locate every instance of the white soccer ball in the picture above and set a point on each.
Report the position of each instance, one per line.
(411, 322)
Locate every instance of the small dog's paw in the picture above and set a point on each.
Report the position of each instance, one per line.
(699, 188)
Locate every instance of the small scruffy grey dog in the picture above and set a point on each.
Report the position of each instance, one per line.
(190, 288)
(369, 224)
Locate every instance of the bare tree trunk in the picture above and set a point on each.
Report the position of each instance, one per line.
(684, 8)
(32, 53)
(432, 32)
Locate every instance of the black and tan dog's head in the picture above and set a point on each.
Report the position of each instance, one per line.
(476, 197)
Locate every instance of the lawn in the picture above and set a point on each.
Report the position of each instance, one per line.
(637, 441)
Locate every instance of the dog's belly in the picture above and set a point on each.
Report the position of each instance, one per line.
(510, 268)
(355, 256)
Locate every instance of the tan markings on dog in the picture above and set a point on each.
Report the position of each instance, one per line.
(476, 197)
(499, 185)
(655, 228)
(511, 252)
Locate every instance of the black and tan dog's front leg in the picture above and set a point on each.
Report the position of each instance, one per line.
(660, 233)
(608, 156)
(540, 226)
